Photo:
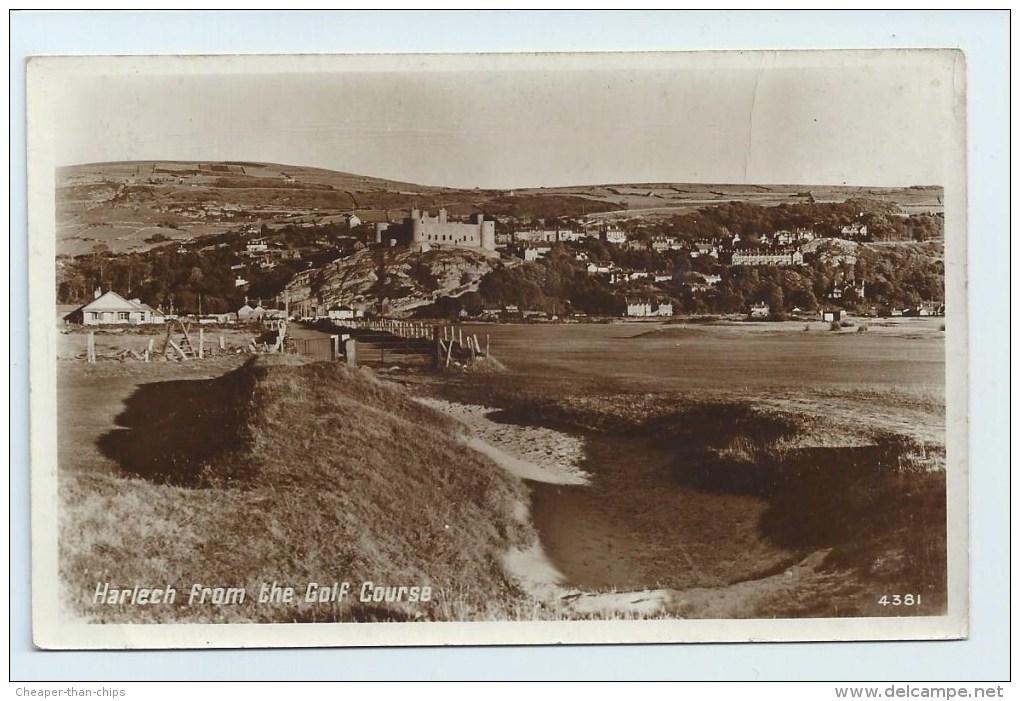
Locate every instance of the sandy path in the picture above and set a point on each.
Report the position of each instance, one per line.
(529, 452)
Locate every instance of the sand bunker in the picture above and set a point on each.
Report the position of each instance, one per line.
(530, 452)
(535, 574)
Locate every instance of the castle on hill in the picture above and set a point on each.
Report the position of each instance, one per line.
(421, 232)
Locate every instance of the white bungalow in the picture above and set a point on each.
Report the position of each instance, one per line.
(110, 308)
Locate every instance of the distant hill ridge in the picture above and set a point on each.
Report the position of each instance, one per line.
(264, 169)
(123, 205)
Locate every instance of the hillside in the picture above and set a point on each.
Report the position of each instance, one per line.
(297, 479)
(652, 200)
(121, 205)
(404, 279)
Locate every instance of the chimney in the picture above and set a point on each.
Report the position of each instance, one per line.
(97, 293)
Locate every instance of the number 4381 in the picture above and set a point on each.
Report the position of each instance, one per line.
(900, 600)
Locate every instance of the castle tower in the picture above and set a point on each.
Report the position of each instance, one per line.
(418, 242)
(417, 230)
(488, 235)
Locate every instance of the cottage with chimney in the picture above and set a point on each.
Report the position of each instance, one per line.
(110, 308)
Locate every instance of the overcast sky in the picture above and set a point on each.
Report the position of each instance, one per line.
(876, 118)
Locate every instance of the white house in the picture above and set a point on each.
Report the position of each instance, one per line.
(111, 308)
(854, 230)
(616, 236)
(702, 248)
(537, 235)
(572, 235)
(639, 309)
(666, 243)
(340, 313)
(257, 246)
(247, 312)
(536, 252)
(753, 259)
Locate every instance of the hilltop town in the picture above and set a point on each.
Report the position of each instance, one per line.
(229, 241)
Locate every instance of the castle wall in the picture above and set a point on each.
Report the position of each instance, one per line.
(422, 229)
(452, 233)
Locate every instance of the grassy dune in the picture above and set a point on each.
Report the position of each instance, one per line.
(294, 472)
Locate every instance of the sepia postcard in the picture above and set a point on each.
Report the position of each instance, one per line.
(500, 349)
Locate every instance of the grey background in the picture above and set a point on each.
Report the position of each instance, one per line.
(983, 36)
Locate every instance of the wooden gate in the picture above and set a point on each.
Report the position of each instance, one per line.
(317, 348)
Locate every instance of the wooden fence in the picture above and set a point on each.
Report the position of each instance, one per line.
(443, 342)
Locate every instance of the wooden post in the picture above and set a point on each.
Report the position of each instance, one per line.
(336, 347)
(201, 343)
(166, 341)
(460, 333)
(90, 348)
(148, 350)
(486, 345)
(223, 344)
(177, 348)
(449, 352)
(478, 348)
(350, 355)
(438, 345)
